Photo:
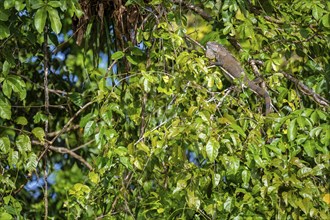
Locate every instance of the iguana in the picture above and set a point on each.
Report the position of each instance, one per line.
(233, 69)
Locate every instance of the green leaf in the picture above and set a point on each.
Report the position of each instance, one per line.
(32, 162)
(238, 129)
(39, 133)
(232, 163)
(55, 21)
(309, 148)
(117, 55)
(143, 147)
(4, 144)
(193, 201)
(35, 4)
(4, 15)
(21, 120)
(292, 130)
(5, 68)
(155, 2)
(146, 85)
(181, 184)
(5, 216)
(54, 4)
(317, 12)
(131, 60)
(7, 90)
(321, 114)
(39, 117)
(14, 83)
(229, 204)
(4, 31)
(77, 98)
(125, 161)
(19, 5)
(326, 20)
(94, 177)
(304, 172)
(9, 4)
(89, 128)
(5, 109)
(40, 19)
(84, 120)
(79, 190)
(23, 143)
(13, 158)
(246, 176)
(121, 151)
(212, 148)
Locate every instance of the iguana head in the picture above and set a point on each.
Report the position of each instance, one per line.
(211, 50)
(215, 50)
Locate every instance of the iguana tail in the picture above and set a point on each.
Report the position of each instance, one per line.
(267, 103)
(261, 92)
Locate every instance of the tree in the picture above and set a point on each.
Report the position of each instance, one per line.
(110, 110)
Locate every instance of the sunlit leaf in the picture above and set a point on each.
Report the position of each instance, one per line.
(54, 4)
(21, 120)
(212, 148)
(292, 130)
(4, 144)
(23, 143)
(55, 20)
(117, 55)
(5, 109)
(32, 162)
(229, 204)
(94, 177)
(4, 31)
(89, 128)
(40, 19)
(39, 133)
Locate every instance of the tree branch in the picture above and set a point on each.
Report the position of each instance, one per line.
(307, 91)
(69, 122)
(55, 133)
(64, 150)
(46, 92)
(194, 8)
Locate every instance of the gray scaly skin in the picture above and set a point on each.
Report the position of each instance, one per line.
(233, 69)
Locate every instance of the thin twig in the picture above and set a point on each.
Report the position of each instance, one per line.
(39, 106)
(46, 70)
(70, 121)
(196, 42)
(194, 8)
(83, 145)
(273, 20)
(53, 134)
(64, 150)
(55, 91)
(155, 128)
(307, 91)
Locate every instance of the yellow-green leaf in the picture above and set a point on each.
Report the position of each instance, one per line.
(55, 21)
(40, 18)
(39, 133)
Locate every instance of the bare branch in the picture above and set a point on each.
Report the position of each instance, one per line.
(83, 145)
(55, 133)
(70, 121)
(64, 150)
(307, 91)
(46, 92)
(194, 8)
(273, 20)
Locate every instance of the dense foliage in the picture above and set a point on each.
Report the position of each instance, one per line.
(110, 110)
